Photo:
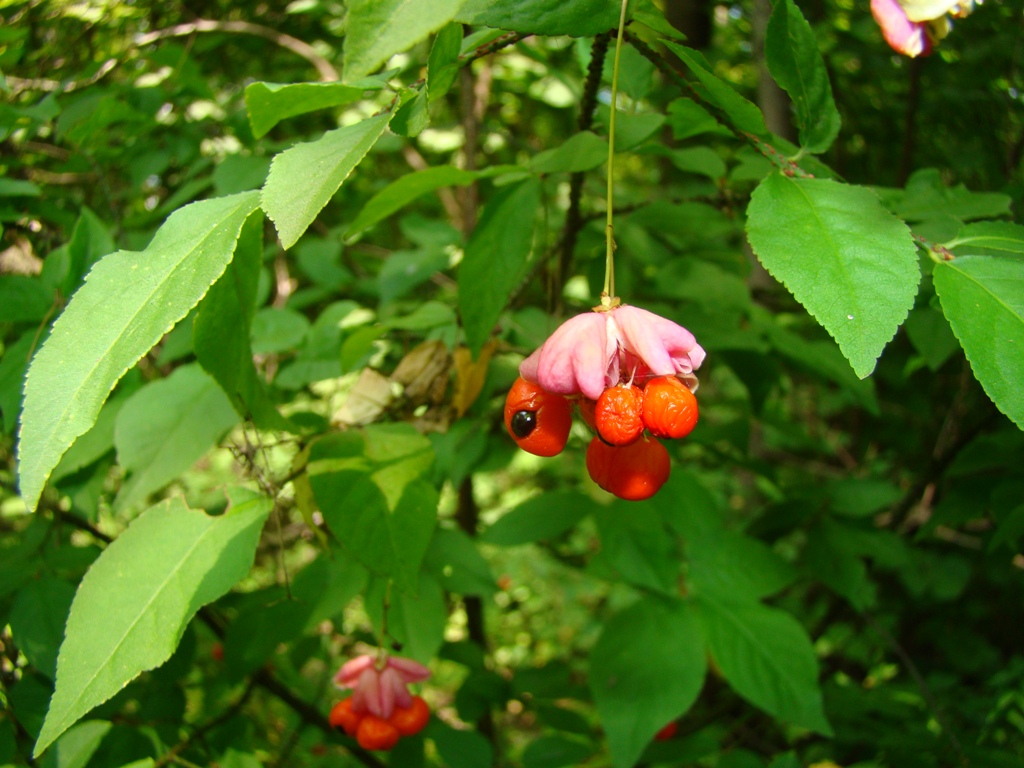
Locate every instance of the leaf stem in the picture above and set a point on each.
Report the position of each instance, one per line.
(609, 232)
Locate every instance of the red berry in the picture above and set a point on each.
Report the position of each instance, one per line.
(376, 733)
(342, 716)
(617, 415)
(667, 732)
(670, 409)
(217, 652)
(539, 421)
(633, 472)
(412, 719)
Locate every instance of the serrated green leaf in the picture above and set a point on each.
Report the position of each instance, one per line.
(378, 29)
(983, 298)
(767, 658)
(128, 302)
(270, 103)
(645, 671)
(743, 114)
(702, 160)
(791, 52)
(304, 178)
(578, 18)
(495, 258)
(729, 563)
(412, 117)
(221, 331)
(412, 525)
(167, 426)
(583, 151)
(170, 562)
(929, 332)
(543, 517)
(851, 263)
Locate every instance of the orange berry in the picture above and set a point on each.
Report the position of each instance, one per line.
(376, 733)
(342, 716)
(412, 719)
(539, 421)
(587, 410)
(667, 732)
(670, 408)
(617, 415)
(633, 472)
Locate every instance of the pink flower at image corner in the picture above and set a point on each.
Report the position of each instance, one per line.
(379, 686)
(591, 352)
(912, 27)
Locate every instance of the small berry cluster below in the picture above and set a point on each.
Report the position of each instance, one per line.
(372, 732)
(625, 458)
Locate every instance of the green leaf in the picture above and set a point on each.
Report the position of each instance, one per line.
(443, 64)
(416, 620)
(170, 562)
(983, 298)
(583, 151)
(407, 188)
(378, 29)
(687, 118)
(791, 52)
(90, 241)
(37, 621)
(767, 658)
(128, 302)
(412, 117)
(76, 747)
(991, 235)
(634, 547)
(929, 332)
(578, 18)
(457, 565)
(495, 258)
(701, 160)
(645, 671)
(13, 366)
(221, 331)
(729, 563)
(24, 299)
(369, 489)
(304, 178)
(460, 749)
(538, 519)
(555, 752)
(743, 114)
(270, 103)
(850, 262)
(166, 427)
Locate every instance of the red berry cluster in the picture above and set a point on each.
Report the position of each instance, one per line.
(621, 459)
(374, 732)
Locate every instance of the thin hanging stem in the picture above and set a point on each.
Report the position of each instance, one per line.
(608, 294)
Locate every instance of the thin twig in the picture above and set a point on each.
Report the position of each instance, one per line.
(922, 685)
(327, 71)
(573, 216)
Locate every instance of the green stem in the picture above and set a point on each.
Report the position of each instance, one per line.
(609, 231)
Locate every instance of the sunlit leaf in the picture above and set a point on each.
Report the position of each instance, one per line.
(128, 302)
(983, 297)
(170, 562)
(850, 262)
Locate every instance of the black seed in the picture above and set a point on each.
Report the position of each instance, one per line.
(523, 423)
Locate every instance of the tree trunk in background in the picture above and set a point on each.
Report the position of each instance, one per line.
(693, 19)
(772, 100)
